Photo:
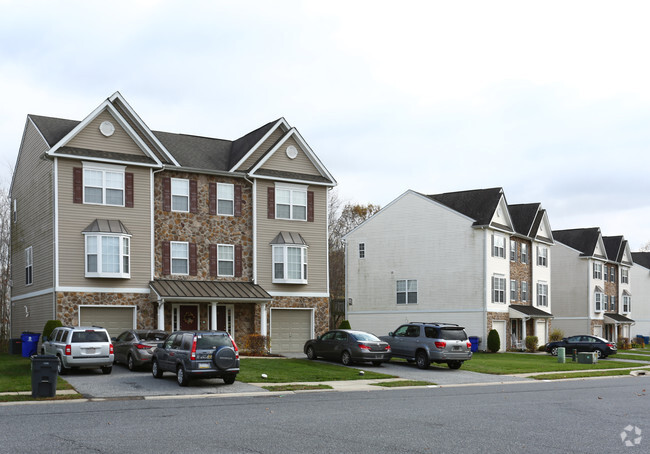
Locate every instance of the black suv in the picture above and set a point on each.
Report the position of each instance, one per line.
(192, 354)
(433, 342)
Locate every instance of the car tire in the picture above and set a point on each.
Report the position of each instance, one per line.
(229, 379)
(346, 358)
(107, 370)
(422, 360)
(156, 371)
(554, 351)
(377, 363)
(61, 369)
(181, 376)
(454, 364)
(130, 363)
(311, 353)
(600, 354)
(224, 358)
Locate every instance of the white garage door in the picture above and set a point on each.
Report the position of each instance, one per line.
(541, 332)
(290, 329)
(114, 319)
(500, 326)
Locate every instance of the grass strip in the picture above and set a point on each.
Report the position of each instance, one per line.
(401, 383)
(16, 374)
(602, 373)
(635, 357)
(296, 387)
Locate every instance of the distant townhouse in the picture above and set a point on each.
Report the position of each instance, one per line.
(456, 257)
(592, 288)
(120, 226)
(640, 275)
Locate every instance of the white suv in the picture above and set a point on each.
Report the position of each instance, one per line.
(80, 347)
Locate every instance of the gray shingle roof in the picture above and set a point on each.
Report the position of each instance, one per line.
(613, 246)
(478, 204)
(583, 240)
(642, 258)
(243, 145)
(53, 129)
(524, 216)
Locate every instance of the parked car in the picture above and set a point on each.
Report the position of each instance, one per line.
(426, 343)
(80, 347)
(192, 354)
(583, 343)
(135, 347)
(348, 346)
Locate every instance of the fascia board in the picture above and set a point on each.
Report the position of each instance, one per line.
(279, 123)
(117, 95)
(112, 161)
(547, 224)
(290, 180)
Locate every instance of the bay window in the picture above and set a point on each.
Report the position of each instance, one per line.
(289, 264)
(108, 256)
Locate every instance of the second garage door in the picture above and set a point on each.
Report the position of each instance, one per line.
(114, 319)
(290, 329)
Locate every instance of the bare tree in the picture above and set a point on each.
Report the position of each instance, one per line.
(5, 264)
(645, 247)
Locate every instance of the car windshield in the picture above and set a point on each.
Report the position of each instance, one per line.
(365, 337)
(453, 334)
(155, 336)
(212, 341)
(89, 336)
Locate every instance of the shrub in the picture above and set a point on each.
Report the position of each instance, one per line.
(623, 343)
(49, 327)
(639, 342)
(531, 343)
(345, 325)
(255, 345)
(556, 335)
(541, 348)
(493, 341)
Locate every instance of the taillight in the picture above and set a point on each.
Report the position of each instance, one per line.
(611, 345)
(68, 350)
(469, 345)
(110, 349)
(387, 348)
(142, 346)
(193, 353)
(234, 345)
(441, 344)
(364, 347)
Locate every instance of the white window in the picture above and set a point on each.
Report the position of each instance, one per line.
(599, 298)
(108, 256)
(362, 250)
(524, 291)
(225, 260)
(542, 256)
(513, 290)
(29, 266)
(498, 289)
(15, 210)
(542, 294)
(513, 251)
(612, 303)
(180, 195)
(290, 264)
(225, 199)
(498, 246)
(291, 203)
(180, 257)
(104, 186)
(407, 291)
(524, 253)
(598, 270)
(627, 303)
(624, 276)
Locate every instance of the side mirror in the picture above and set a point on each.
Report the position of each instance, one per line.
(391, 334)
(160, 345)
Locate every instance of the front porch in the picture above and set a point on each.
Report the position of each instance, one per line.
(527, 321)
(617, 326)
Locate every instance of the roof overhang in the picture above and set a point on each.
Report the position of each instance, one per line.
(526, 312)
(617, 319)
(184, 290)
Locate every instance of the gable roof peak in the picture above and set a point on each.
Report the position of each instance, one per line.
(477, 204)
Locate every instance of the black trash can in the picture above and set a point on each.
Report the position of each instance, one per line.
(44, 374)
(16, 346)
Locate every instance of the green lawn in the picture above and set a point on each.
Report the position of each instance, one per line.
(16, 374)
(583, 374)
(636, 356)
(518, 363)
(298, 370)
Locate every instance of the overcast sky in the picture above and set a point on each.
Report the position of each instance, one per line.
(549, 100)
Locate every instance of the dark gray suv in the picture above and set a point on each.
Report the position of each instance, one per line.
(197, 354)
(427, 343)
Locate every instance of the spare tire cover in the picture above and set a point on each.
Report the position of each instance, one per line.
(224, 358)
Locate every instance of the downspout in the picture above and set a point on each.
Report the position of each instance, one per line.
(345, 278)
(485, 286)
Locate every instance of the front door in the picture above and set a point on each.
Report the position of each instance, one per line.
(189, 318)
(221, 318)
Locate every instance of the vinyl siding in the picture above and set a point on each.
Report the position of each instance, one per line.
(314, 233)
(570, 275)
(92, 139)
(75, 217)
(40, 310)
(280, 160)
(268, 143)
(640, 282)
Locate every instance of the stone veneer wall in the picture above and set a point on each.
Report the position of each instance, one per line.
(522, 272)
(67, 306)
(611, 288)
(595, 323)
(202, 228)
(321, 310)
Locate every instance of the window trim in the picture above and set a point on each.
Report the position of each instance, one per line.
(171, 258)
(625, 277)
(284, 248)
(293, 189)
(362, 250)
(627, 304)
(104, 169)
(406, 291)
(219, 259)
(498, 293)
(598, 270)
(524, 291)
(219, 198)
(173, 194)
(513, 250)
(542, 294)
(599, 298)
(124, 244)
(513, 290)
(29, 265)
(498, 250)
(542, 256)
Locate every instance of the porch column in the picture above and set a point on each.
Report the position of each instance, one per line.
(523, 331)
(263, 329)
(213, 315)
(161, 315)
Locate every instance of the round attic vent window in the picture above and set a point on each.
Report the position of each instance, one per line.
(107, 128)
(292, 152)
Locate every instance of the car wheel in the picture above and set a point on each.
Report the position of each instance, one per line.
(377, 363)
(311, 354)
(554, 351)
(181, 376)
(454, 364)
(229, 379)
(346, 358)
(61, 369)
(129, 363)
(155, 369)
(600, 354)
(107, 370)
(422, 360)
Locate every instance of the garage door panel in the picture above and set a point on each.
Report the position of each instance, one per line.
(114, 319)
(290, 329)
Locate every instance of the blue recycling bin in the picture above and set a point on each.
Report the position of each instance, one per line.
(30, 343)
(474, 340)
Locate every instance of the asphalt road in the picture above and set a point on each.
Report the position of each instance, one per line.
(579, 416)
